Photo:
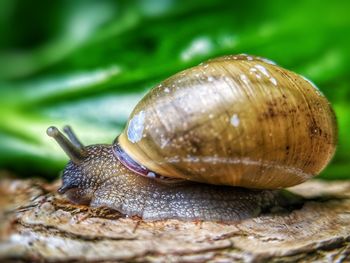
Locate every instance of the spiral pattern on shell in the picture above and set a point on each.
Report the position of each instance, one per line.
(234, 120)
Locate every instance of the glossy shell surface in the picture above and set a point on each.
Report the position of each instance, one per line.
(234, 120)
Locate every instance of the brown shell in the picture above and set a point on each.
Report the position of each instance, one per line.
(234, 120)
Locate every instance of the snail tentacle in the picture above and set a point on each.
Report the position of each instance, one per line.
(72, 136)
(74, 153)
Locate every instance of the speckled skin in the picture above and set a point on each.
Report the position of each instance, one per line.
(101, 180)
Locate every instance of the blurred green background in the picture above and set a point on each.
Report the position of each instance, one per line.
(87, 63)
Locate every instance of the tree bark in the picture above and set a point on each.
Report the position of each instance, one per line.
(36, 224)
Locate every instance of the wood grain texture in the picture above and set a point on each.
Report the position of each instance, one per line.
(38, 225)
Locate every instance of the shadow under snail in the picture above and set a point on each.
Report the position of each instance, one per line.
(213, 142)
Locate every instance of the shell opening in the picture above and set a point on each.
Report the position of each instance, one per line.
(134, 166)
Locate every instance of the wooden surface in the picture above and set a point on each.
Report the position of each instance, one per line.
(38, 225)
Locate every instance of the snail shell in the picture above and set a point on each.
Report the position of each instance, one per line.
(234, 120)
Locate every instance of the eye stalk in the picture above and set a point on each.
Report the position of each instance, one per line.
(72, 137)
(73, 147)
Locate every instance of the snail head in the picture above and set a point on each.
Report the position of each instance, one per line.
(87, 169)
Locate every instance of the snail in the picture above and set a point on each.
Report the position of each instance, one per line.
(214, 142)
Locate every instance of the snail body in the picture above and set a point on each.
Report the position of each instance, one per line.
(135, 195)
(231, 122)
